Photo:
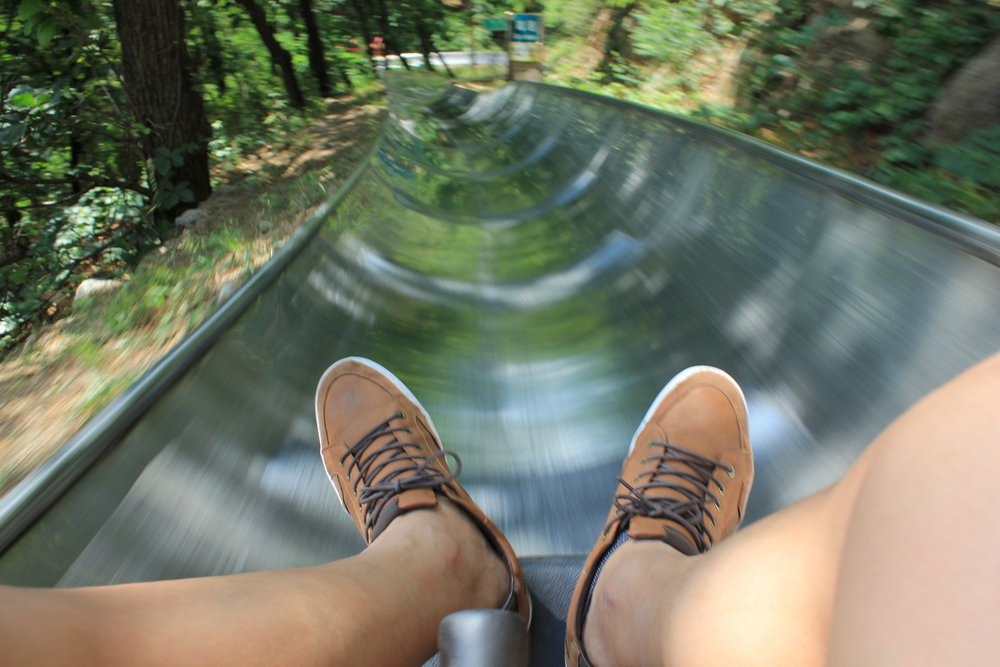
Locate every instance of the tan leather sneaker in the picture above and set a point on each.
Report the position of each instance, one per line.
(685, 480)
(384, 457)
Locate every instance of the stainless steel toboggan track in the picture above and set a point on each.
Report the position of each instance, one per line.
(535, 263)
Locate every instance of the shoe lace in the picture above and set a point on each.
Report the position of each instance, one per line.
(690, 504)
(419, 473)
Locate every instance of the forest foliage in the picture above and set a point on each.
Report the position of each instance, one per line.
(853, 83)
(102, 144)
(105, 136)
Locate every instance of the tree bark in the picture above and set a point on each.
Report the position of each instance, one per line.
(212, 46)
(342, 73)
(317, 58)
(426, 43)
(160, 92)
(366, 32)
(279, 56)
(391, 46)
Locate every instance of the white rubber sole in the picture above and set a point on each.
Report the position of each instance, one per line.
(676, 382)
(388, 374)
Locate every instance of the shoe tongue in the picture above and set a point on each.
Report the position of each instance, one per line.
(366, 406)
(370, 408)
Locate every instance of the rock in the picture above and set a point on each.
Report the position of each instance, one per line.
(92, 286)
(227, 289)
(969, 100)
(856, 44)
(189, 218)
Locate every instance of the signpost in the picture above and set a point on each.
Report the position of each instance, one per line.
(496, 24)
(523, 35)
(526, 35)
(527, 28)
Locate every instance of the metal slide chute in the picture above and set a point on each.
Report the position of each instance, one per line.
(535, 263)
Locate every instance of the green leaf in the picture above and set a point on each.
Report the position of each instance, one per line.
(169, 199)
(162, 164)
(29, 8)
(23, 100)
(18, 275)
(12, 133)
(45, 34)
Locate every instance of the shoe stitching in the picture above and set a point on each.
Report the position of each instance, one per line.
(375, 495)
(691, 510)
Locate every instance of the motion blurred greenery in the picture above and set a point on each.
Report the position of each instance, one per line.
(78, 200)
(798, 81)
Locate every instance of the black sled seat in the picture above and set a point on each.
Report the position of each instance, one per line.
(534, 263)
(551, 580)
(491, 638)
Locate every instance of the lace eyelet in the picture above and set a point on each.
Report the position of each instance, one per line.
(717, 505)
(402, 415)
(722, 490)
(731, 471)
(408, 431)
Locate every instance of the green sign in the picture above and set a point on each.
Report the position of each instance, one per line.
(496, 23)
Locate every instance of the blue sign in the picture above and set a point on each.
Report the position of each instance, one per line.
(527, 28)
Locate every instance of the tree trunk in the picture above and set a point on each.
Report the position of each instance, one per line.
(391, 46)
(279, 56)
(342, 73)
(213, 49)
(615, 38)
(366, 32)
(444, 62)
(160, 92)
(317, 59)
(426, 44)
(13, 246)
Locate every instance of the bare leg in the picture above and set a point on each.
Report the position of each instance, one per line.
(896, 564)
(381, 607)
(920, 568)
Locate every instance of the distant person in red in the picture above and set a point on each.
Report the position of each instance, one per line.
(377, 46)
(352, 44)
